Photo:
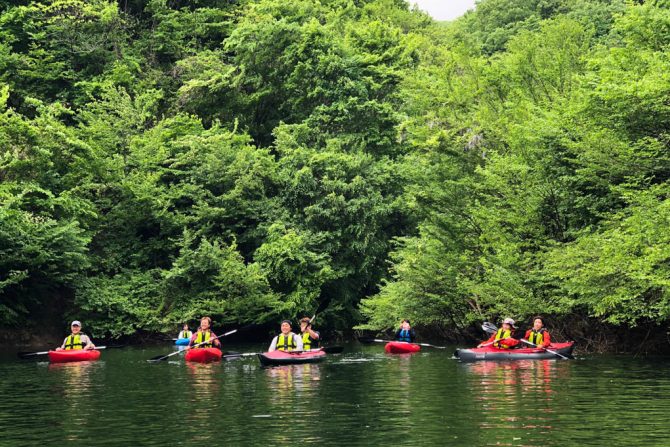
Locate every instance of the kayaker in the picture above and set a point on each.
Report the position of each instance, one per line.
(286, 340)
(204, 334)
(77, 339)
(310, 337)
(185, 332)
(538, 334)
(405, 332)
(503, 336)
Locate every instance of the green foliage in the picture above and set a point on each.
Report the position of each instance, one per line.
(251, 160)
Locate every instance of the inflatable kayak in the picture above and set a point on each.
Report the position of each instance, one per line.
(529, 353)
(401, 347)
(289, 358)
(73, 355)
(203, 355)
(182, 341)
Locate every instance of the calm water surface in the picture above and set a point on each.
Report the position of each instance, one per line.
(361, 397)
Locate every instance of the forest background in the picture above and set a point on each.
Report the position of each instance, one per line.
(260, 159)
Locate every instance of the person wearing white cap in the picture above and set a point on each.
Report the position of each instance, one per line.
(503, 337)
(77, 339)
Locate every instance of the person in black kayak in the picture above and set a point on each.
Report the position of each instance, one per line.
(310, 337)
(405, 332)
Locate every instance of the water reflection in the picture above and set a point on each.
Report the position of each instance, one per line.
(205, 383)
(74, 385)
(289, 379)
(503, 388)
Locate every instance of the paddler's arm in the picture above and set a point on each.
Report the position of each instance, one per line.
(89, 344)
(273, 345)
(216, 341)
(313, 333)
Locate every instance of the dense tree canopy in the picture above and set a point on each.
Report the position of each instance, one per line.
(257, 159)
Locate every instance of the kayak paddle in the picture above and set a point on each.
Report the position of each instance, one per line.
(548, 350)
(163, 357)
(331, 349)
(377, 340)
(25, 355)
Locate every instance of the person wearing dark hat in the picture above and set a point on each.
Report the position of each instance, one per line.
(503, 337)
(77, 339)
(405, 332)
(538, 334)
(310, 337)
(286, 340)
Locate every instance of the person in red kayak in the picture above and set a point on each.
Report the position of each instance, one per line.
(405, 332)
(503, 337)
(77, 339)
(204, 334)
(286, 340)
(310, 337)
(538, 334)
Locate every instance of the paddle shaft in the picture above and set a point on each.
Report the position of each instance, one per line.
(548, 350)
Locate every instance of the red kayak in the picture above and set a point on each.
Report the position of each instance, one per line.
(290, 358)
(203, 355)
(401, 347)
(73, 355)
(530, 353)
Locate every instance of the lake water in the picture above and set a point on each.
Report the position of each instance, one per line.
(361, 397)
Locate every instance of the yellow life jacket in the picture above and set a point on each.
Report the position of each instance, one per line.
(185, 334)
(537, 337)
(202, 337)
(286, 343)
(500, 335)
(306, 341)
(74, 342)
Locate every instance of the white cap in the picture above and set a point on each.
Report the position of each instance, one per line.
(75, 323)
(509, 321)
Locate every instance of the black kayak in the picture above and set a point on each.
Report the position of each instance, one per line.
(491, 353)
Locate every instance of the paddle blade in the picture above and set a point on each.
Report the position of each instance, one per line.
(333, 349)
(366, 340)
(489, 327)
(158, 358)
(27, 355)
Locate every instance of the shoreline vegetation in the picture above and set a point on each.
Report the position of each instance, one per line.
(255, 160)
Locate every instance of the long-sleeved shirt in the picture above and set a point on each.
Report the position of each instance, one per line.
(185, 334)
(546, 338)
(296, 340)
(504, 343)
